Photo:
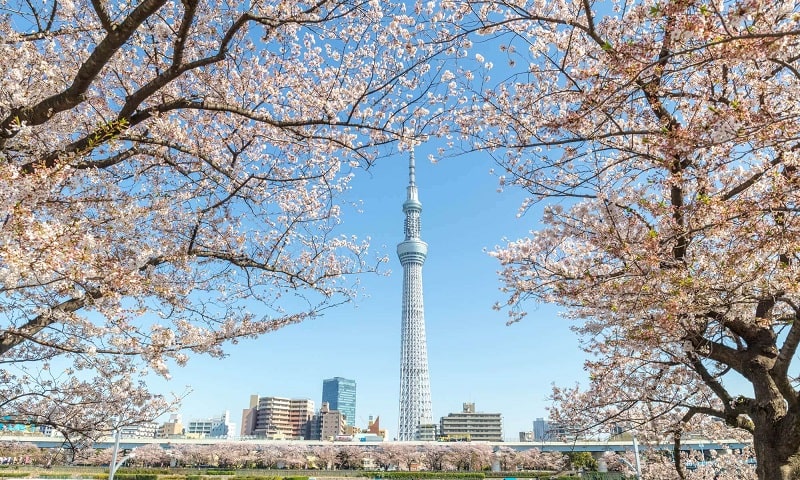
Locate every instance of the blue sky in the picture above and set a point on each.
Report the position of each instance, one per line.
(473, 356)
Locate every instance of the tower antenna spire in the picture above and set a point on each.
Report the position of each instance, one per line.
(412, 180)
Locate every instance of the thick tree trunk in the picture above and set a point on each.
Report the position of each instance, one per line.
(775, 448)
(770, 466)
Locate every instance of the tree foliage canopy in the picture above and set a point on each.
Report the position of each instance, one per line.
(662, 139)
(170, 174)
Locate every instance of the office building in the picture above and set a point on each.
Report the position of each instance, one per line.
(327, 424)
(541, 430)
(415, 384)
(215, 427)
(545, 431)
(340, 394)
(472, 425)
(172, 428)
(427, 432)
(144, 430)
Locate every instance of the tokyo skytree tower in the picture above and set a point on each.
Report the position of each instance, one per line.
(415, 384)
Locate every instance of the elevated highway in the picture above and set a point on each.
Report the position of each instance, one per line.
(595, 447)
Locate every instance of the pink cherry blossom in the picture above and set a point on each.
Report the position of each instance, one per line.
(659, 142)
(171, 175)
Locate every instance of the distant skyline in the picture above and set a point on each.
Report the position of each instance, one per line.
(473, 355)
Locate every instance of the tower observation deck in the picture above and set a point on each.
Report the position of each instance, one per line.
(415, 385)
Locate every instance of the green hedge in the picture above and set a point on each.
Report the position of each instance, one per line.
(529, 474)
(417, 475)
(146, 471)
(127, 476)
(265, 477)
(255, 477)
(14, 474)
(220, 472)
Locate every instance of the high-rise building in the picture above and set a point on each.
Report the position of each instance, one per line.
(249, 416)
(327, 424)
(278, 416)
(472, 425)
(415, 385)
(340, 394)
(545, 431)
(541, 428)
(301, 412)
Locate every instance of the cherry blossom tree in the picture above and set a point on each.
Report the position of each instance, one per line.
(507, 457)
(659, 141)
(469, 456)
(267, 456)
(191, 455)
(232, 454)
(434, 456)
(294, 455)
(535, 459)
(349, 457)
(169, 168)
(97, 457)
(152, 455)
(398, 454)
(325, 456)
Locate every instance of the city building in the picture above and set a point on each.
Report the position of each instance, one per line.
(327, 424)
(374, 427)
(278, 417)
(272, 417)
(427, 432)
(340, 394)
(301, 412)
(415, 385)
(471, 425)
(541, 430)
(366, 437)
(249, 415)
(215, 427)
(526, 436)
(172, 428)
(144, 430)
(544, 431)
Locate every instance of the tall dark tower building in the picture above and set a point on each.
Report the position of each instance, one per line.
(415, 384)
(340, 394)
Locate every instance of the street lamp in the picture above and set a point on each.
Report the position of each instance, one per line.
(637, 468)
(114, 465)
(635, 457)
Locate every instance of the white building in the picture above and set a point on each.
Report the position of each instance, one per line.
(215, 427)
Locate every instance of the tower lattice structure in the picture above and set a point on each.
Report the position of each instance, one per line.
(415, 385)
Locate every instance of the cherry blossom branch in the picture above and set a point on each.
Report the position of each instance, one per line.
(102, 15)
(72, 96)
(786, 354)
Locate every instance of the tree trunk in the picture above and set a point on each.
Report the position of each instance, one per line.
(774, 451)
